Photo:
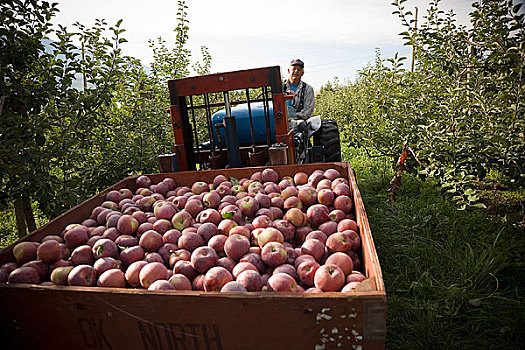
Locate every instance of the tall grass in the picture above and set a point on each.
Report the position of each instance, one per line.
(454, 279)
(8, 230)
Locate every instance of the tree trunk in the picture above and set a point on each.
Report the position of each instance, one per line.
(20, 220)
(25, 221)
(28, 214)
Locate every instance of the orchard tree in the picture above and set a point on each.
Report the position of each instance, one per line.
(76, 115)
(460, 111)
(26, 86)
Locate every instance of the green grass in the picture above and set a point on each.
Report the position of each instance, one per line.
(8, 231)
(7, 228)
(454, 279)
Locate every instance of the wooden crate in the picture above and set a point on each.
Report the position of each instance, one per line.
(58, 317)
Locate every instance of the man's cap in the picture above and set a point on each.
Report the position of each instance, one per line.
(297, 62)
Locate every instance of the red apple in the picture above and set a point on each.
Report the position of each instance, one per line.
(339, 242)
(342, 190)
(41, 268)
(131, 255)
(82, 255)
(355, 276)
(233, 286)
(216, 278)
(241, 267)
(82, 275)
(143, 181)
(325, 196)
(112, 278)
(314, 179)
(104, 248)
(274, 254)
(324, 184)
(76, 236)
(350, 287)
(254, 259)
(150, 241)
(209, 215)
(342, 260)
(269, 175)
(123, 241)
(152, 272)
(331, 174)
(207, 230)
(300, 178)
(251, 280)
(240, 230)
(171, 236)
(59, 275)
(262, 221)
(186, 268)
(286, 228)
(217, 243)
(347, 224)
(355, 239)
(248, 206)
(317, 234)
(179, 254)
(194, 207)
(269, 234)
(344, 203)
(181, 220)
(285, 268)
(329, 278)
(24, 274)
(314, 248)
(317, 214)
(203, 258)
(133, 271)
(328, 227)
(306, 272)
(236, 246)
(48, 251)
(190, 241)
(165, 210)
(295, 216)
(292, 202)
(227, 263)
(200, 187)
(180, 282)
(282, 282)
(103, 264)
(153, 257)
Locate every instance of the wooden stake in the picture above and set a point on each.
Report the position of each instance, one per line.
(413, 47)
(84, 81)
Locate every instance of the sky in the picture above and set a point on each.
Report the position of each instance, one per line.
(335, 38)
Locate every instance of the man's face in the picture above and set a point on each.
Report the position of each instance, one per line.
(295, 72)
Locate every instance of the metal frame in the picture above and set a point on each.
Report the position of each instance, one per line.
(187, 154)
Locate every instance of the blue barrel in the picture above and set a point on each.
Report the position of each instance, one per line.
(242, 118)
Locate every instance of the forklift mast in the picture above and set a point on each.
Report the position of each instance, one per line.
(194, 99)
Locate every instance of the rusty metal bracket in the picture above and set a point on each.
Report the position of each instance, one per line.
(374, 321)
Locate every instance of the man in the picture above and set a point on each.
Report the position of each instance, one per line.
(303, 101)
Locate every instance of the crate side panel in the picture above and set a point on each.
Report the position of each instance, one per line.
(65, 319)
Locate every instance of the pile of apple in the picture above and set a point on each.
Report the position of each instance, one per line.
(265, 233)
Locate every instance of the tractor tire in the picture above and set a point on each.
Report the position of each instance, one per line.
(328, 137)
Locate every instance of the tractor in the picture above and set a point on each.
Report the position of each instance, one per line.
(241, 118)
